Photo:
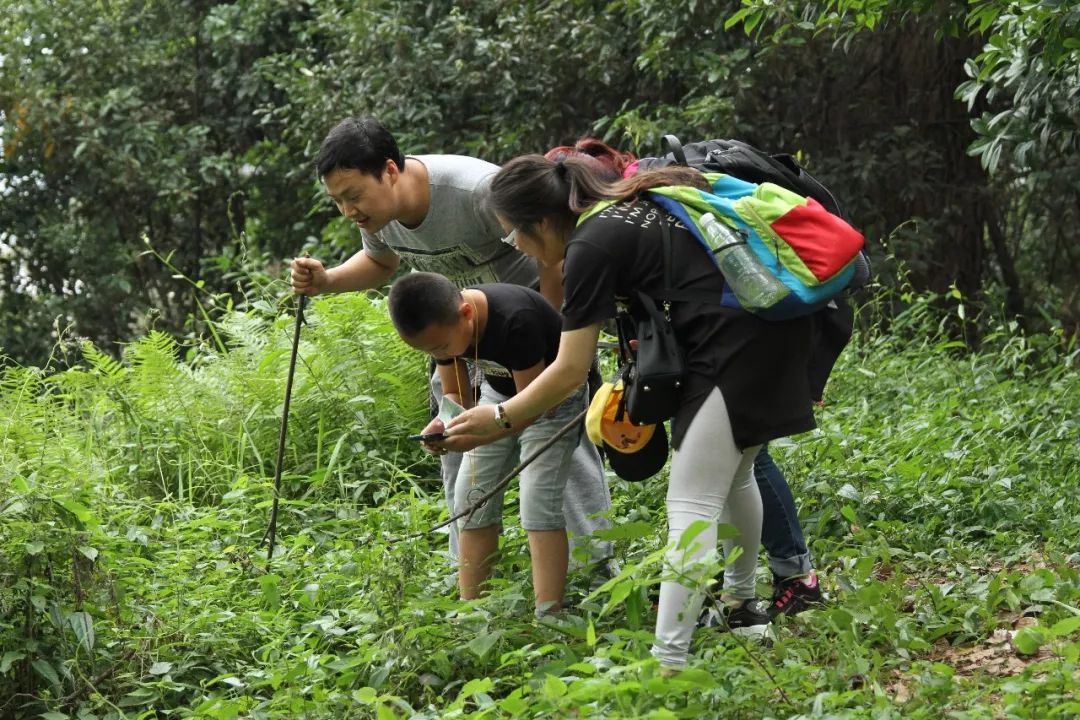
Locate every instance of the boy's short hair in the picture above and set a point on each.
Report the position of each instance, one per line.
(422, 299)
(358, 144)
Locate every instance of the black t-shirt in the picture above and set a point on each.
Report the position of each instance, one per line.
(521, 330)
(759, 366)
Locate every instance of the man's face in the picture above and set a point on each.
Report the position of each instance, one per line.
(368, 202)
(443, 342)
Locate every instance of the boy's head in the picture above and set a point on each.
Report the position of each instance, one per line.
(430, 314)
(360, 164)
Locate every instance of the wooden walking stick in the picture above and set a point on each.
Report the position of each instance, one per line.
(271, 531)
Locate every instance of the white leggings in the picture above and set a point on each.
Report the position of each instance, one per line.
(711, 480)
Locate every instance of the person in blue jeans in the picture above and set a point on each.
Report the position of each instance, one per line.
(795, 584)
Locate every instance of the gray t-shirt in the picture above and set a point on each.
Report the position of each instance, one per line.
(460, 237)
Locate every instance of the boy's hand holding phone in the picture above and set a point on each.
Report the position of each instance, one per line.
(434, 438)
(431, 436)
(428, 437)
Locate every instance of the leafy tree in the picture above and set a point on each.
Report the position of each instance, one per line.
(194, 124)
(1026, 81)
(121, 122)
(1021, 78)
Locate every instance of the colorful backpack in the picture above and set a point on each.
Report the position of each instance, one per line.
(746, 162)
(808, 249)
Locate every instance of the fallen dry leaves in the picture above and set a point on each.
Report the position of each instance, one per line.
(995, 657)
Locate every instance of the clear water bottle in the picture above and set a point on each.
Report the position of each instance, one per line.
(752, 283)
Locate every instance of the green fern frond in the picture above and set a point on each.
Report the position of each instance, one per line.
(247, 331)
(102, 363)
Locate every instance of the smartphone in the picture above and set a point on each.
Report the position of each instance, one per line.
(428, 437)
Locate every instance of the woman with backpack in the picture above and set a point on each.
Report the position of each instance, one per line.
(746, 377)
(795, 582)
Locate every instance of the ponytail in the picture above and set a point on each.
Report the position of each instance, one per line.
(671, 175)
(530, 188)
(610, 161)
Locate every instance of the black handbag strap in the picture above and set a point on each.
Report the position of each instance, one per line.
(669, 294)
(623, 323)
(665, 234)
(699, 296)
(647, 301)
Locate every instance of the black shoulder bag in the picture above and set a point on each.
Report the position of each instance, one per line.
(653, 375)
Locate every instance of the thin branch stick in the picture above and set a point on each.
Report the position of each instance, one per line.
(271, 531)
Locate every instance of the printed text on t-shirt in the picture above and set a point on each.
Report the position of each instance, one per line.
(644, 216)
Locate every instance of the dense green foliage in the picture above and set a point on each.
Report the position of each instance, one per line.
(1016, 68)
(191, 126)
(938, 496)
(156, 170)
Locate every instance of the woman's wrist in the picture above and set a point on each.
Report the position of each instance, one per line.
(502, 418)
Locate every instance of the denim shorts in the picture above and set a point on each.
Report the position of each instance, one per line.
(541, 483)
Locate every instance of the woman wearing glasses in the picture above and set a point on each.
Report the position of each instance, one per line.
(746, 382)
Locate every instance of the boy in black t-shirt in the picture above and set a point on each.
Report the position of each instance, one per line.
(512, 334)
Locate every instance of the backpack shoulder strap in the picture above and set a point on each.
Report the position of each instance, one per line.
(670, 144)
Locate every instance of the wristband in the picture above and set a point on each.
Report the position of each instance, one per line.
(501, 419)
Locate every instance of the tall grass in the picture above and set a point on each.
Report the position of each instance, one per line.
(938, 495)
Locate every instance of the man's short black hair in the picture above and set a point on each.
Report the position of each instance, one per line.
(358, 144)
(421, 299)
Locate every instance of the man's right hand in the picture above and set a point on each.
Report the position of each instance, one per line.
(308, 276)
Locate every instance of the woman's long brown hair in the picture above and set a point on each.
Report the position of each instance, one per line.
(530, 188)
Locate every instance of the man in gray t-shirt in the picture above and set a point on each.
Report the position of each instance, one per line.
(430, 211)
(458, 238)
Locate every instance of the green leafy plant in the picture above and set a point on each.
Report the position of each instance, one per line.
(135, 492)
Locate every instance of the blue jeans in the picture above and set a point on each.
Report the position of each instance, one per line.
(781, 533)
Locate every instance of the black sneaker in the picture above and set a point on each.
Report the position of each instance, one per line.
(750, 618)
(794, 595)
(601, 571)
